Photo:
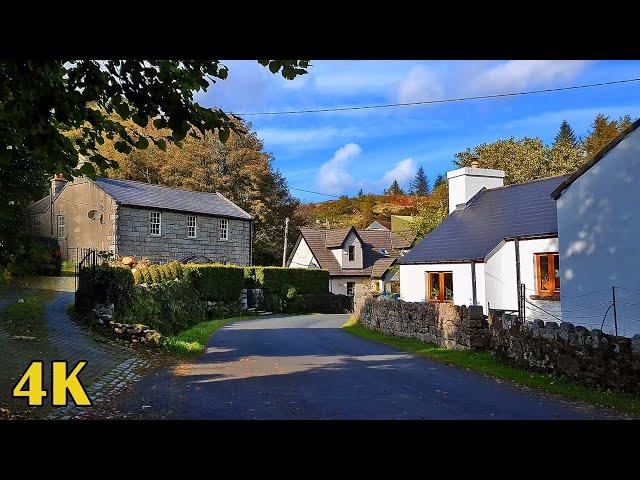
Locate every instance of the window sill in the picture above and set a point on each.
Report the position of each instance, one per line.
(551, 298)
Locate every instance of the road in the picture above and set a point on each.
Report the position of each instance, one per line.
(306, 367)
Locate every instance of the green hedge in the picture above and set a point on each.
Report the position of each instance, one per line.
(216, 282)
(168, 307)
(113, 285)
(280, 280)
(319, 303)
(158, 273)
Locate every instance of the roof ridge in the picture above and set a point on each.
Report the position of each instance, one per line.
(158, 185)
(528, 182)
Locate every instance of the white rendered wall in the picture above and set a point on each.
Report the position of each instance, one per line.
(599, 230)
(302, 257)
(501, 278)
(413, 282)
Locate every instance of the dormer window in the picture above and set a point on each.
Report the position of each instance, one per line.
(352, 253)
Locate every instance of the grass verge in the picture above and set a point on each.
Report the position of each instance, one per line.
(193, 340)
(484, 363)
(68, 269)
(29, 308)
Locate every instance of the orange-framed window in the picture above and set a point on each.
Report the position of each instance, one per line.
(547, 274)
(440, 286)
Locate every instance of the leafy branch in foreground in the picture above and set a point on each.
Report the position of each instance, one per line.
(55, 112)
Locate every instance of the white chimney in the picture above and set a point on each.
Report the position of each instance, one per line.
(465, 182)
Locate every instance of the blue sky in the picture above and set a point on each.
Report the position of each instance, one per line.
(341, 152)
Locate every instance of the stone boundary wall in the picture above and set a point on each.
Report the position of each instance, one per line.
(590, 357)
(138, 333)
(587, 356)
(444, 324)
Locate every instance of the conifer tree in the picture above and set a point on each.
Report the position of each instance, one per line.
(395, 189)
(565, 135)
(420, 184)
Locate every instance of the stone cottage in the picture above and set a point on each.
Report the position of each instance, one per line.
(131, 218)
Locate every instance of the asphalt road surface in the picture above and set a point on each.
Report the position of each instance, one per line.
(306, 367)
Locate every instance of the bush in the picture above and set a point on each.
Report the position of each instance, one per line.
(319, 303)
(168, 307)
(288, 292)
(272, 302)
(175, 268)
(216, 282)
(138, 276)
(146, 275)
(154, 273)
(113, 285)
(163, 273)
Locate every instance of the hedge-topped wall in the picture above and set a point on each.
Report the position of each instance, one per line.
(218, 283)
(171, 297)
(277, 279)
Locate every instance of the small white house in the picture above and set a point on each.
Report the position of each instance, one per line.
(495, 239)
(599, 231)
(358, 261)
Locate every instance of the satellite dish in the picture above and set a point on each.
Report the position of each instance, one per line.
(94, 215)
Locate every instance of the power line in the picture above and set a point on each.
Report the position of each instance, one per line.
(317, 193)
(448, 100)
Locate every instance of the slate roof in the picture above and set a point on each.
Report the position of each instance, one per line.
(139, 194)
(42, 205)
(321, 240)
(515, 211)
(381, 266)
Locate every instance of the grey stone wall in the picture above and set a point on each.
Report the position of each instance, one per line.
(586, 356)
(133, 237)
(444, 324)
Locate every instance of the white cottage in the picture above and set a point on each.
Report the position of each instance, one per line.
(495, 239)
(599, 228)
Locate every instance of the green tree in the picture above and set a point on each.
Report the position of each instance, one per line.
(565, 135)
(366, 209)
(394, 189)
(521, 159)
(440, 179)
(602, 132)
(420, 184)
(239, 169)
(431, 211)
(41, 100)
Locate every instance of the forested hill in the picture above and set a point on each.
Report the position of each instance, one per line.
(359, 211)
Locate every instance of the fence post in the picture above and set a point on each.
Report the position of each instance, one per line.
(615, 316)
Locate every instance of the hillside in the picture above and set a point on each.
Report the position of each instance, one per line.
(359, 211)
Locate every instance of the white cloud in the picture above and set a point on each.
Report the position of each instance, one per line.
(522, 74)
(419, 84)
(403, 172)
(333, 176)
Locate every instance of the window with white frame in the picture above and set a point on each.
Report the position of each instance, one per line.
(191, 226)
(224, 229)
(62, 227)
(155, 226)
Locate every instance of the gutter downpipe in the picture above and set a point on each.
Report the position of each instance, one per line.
(251, 242)
(517, 247)
(473, 282)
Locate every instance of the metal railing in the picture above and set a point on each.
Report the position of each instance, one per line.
(86, 281)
